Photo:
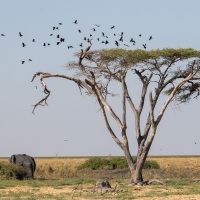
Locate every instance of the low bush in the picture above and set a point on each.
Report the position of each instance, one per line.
(113, 163)
(11, 171)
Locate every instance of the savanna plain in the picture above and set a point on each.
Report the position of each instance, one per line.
(59, 178)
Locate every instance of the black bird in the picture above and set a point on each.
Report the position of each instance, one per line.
(75, 22)
(23, 61)
(2, 34)
(69, 47)
(145, 46)
(90, 35)
(97, 39)
(97, 25)
(79, 30)
(93, 29)
(85, 38)
(121, 39)
(62, 39)
(114, 34)
(58, 43)
(44, 44)
(33, 40)
(23, 45)
(106, 42)
(58, 36)
(140, 35)
(126, 45)
(81, 45)
(29, 59)
(112, 27)
(103, 34)
(49, 44)
(150, 38)
(20, 34)
(132, 40)
(60, 23)
(116, 43)
(122, 33)
(51, 34)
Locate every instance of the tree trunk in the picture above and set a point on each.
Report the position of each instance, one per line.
(136, 168)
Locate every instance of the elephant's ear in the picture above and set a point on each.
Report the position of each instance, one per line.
(34, 167)
(13, 159)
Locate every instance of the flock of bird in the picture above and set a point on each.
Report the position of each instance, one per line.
(102, 39)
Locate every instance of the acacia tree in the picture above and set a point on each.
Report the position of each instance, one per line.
(175, 72)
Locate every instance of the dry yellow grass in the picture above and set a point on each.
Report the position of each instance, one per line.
(66, 167)
(57, 167)
(170, 167)
(185, 162)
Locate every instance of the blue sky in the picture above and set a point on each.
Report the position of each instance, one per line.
(70, 116)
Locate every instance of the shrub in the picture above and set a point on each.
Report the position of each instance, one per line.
(151, 164)
(11, 171)
(113, 163)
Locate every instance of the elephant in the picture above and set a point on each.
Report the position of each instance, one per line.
(26, 161)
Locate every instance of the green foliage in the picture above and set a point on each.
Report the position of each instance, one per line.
(132, 57)
(11, 171)
(151, 164)
(113, 163)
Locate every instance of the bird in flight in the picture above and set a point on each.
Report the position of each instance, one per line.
(23, 45)
(140, 35)
(60, 23)
(97, 25)
(2, 34)
(62, 39)
(29, 59)
(116, 43)
(79, 30)
(54, 28)
(23, 62)
(121, 39)
(112, 27)
(81, 45)
(69, 47)
(20, 34)
(33, 40)
(145, 46)
(75, 22)
(150, 38)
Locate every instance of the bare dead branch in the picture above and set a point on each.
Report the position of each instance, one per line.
(40, 103)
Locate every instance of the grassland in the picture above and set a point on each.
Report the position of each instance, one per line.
(58, 178)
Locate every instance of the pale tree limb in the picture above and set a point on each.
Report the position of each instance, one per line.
(179, 85)
(81, 84)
